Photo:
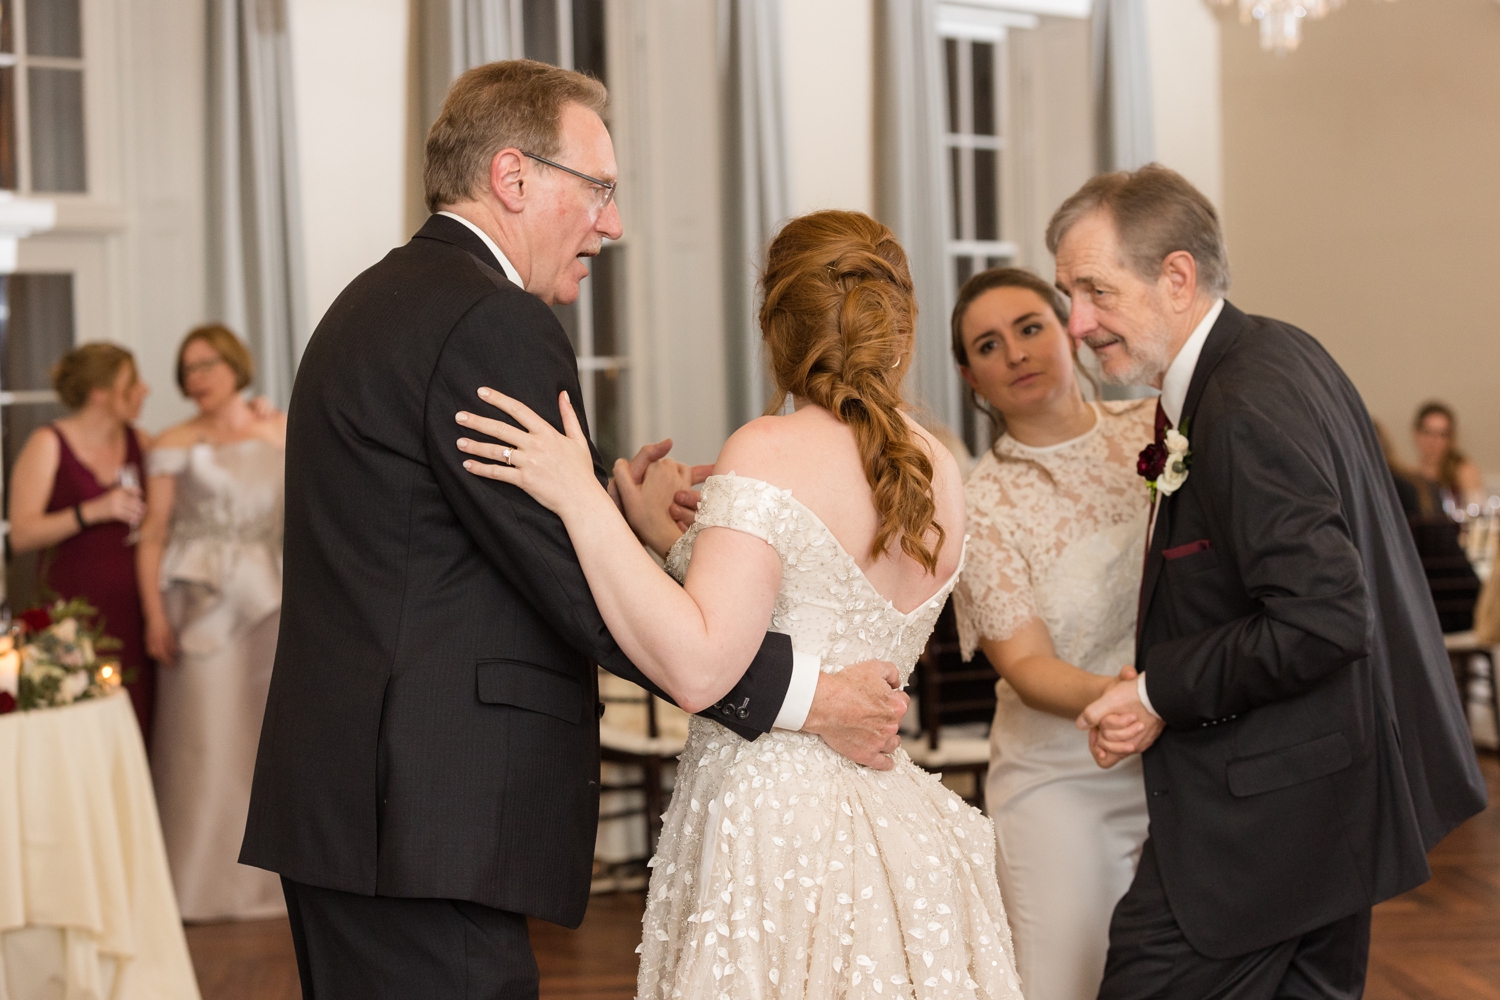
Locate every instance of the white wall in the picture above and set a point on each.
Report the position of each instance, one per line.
(349, 77)
(1183, 36)
(828, 53)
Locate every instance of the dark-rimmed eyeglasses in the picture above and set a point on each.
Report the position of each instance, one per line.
(608, 187)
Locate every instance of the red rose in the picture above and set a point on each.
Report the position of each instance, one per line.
(36, 619)
(7, 703)
(1152, 461)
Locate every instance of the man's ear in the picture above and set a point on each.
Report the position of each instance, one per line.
(1180, 271)
(508, 178)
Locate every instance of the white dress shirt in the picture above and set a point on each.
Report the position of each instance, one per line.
(1174, 390)
(805, 666)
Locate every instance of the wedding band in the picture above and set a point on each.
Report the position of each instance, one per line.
(505, 454)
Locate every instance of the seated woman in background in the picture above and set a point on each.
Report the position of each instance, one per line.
(1057, 523)
(210, 572)
(76, 494)
(1446, 475)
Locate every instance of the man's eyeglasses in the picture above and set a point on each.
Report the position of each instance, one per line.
(606, 191)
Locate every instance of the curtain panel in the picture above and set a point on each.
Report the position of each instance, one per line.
(757, 200)
(912, 188)
(257, 281)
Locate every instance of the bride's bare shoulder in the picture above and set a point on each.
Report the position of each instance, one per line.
(759, 449)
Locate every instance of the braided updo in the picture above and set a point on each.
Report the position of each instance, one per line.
(839, 319)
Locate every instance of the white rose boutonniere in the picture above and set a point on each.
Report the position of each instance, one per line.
(1175, 471)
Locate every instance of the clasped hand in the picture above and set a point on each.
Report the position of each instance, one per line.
(1118, 723)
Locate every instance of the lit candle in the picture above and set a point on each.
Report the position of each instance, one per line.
(109, 675)
(10, 672)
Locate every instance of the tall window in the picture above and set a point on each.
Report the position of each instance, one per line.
(974, 57)
(41, 97)
(570, 33)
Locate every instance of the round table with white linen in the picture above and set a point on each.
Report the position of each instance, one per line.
(86, 902)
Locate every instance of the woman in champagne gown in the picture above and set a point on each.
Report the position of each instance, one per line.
(785, 870)
(210, 564)
(1057, 523)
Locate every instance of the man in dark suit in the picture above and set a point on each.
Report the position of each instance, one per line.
(1305, 746)
(429, 761)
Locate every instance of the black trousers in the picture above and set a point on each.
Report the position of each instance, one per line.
(1150, 958)
(352, 947)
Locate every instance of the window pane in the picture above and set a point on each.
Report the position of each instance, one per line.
(56, 104)
(7, 33)
(540, 19)
(53, 28)
(986, 195)
(950, 52)
(588, 37)
(8, 179)
(608, 278)
(955, 184)
(963, 269)
(984, 88)
(607, 421)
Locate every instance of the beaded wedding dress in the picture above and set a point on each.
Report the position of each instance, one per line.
(787, 871)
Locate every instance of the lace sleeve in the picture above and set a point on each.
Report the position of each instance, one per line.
(166, 461)
(749, 505)
(993, 597)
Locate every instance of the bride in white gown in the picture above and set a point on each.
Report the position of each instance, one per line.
(785, 870)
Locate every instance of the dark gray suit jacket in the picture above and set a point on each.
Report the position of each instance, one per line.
(1316, 748)
(431, 729)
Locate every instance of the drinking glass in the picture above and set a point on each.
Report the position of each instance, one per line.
(130, 478)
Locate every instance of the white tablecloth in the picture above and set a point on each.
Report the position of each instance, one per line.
(86, 903)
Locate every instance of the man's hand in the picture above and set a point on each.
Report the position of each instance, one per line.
(685, 503)
(1119, 724)
(643, 460)
(858, 710)
(646, 505)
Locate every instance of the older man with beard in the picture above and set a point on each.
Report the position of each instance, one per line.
(1304, 746)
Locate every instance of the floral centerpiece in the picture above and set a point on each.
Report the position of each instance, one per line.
(52, 658)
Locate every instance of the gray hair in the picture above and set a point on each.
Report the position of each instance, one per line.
(1156, 213)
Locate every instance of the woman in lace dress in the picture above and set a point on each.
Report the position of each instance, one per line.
(1057, 523)
(210, 570)
(785, 870)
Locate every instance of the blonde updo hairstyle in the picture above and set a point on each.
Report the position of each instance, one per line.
(86, 368)
(839, 321)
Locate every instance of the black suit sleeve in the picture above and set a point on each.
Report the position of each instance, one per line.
(1282, 518)
(510, 341)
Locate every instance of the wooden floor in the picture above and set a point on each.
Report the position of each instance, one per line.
(1438, 942)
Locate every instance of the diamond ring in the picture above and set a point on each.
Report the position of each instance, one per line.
(505, 454)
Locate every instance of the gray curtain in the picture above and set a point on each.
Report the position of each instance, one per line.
(912, 187)
(757, 199)
(1124, 125)
(456, 35)
(257, 282)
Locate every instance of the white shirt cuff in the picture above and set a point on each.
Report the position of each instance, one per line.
(1140, 690)
(799, 693)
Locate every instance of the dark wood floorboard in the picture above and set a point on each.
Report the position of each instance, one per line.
(1438, 942)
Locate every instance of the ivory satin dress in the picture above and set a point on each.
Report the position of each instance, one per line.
(221, 584)
(787, 871)
(1058, 534)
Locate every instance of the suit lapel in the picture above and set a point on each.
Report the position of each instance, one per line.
(446, 230)
(1221, 338)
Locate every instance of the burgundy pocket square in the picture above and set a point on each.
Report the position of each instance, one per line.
(1191, 548)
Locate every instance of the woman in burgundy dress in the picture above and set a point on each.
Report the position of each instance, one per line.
(76, 494)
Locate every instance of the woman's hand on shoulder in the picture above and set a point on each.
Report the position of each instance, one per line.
(556, 469)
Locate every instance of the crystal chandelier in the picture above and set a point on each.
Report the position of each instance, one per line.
(1280, 20)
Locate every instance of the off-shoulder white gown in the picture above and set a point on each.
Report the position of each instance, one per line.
(787, 871)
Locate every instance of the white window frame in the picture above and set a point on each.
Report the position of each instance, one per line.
(588, 361)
